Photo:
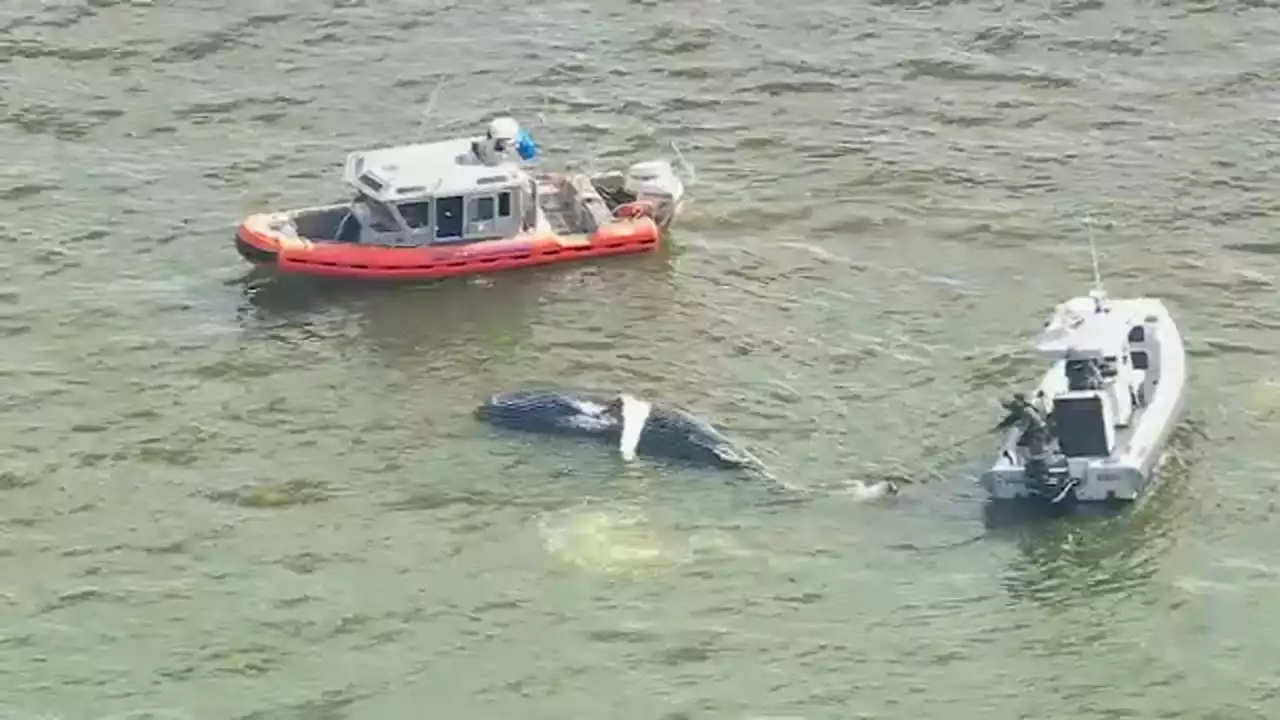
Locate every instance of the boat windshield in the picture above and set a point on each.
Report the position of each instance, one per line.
(374, 214)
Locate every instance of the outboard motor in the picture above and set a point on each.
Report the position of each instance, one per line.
(656, 182)
(1049, 477)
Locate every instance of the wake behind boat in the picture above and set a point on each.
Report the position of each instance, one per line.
(466, 206)
(1104, 411)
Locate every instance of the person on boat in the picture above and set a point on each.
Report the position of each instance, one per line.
(1019, 411)
(1042, 406)
(1035, 435)
(504, 137)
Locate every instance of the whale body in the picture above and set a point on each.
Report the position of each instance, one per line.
(634, 426)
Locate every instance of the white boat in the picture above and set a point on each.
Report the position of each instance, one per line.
(1100, 418)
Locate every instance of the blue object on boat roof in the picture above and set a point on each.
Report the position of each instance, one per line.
(525, 146)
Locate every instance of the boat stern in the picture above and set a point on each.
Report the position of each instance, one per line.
(1109, 480)
(625, 235)
(1093, 480)
(666, 214)
(1007, 482)
(656, 183)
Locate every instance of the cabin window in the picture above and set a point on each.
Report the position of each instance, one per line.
(416, 214)
(380, 218)
(368, 180)
(481, 209)
(504, 204)
(1140, 361)
(1137, 334)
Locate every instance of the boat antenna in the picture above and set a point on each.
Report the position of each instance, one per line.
(431, 105)
(693, 175)
(1093, 254)
(542, 110)
(1097, 293)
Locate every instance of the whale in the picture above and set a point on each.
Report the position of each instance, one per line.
(634, 426)
(637, 427)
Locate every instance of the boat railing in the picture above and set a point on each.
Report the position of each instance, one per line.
(593, 212)
(557, 201)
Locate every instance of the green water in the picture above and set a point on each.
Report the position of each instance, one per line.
(224, 497)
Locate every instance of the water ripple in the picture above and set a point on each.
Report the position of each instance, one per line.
(271, 497)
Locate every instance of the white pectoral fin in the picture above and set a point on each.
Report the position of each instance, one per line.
(635, 413)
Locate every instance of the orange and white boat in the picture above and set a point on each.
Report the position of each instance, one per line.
(466, 206)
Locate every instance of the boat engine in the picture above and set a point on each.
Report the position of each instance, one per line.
(1049, 476)
(656, 182)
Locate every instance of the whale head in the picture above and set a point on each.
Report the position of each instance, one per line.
(551, 412)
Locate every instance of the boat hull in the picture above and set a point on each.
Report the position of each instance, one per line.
(262, 240)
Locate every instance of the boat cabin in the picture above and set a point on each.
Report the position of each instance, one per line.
(1106, 362)
(448, 191)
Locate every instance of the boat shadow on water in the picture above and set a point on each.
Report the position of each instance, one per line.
(406, 309)
(270, 293)
(397, 317)
(1073, 553)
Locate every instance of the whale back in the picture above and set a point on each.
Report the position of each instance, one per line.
(675, 432)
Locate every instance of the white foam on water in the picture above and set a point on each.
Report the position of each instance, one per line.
(635, 413)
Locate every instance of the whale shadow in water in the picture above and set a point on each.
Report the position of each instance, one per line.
(657, 431)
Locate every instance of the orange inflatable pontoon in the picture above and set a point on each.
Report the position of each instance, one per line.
(465, 207)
